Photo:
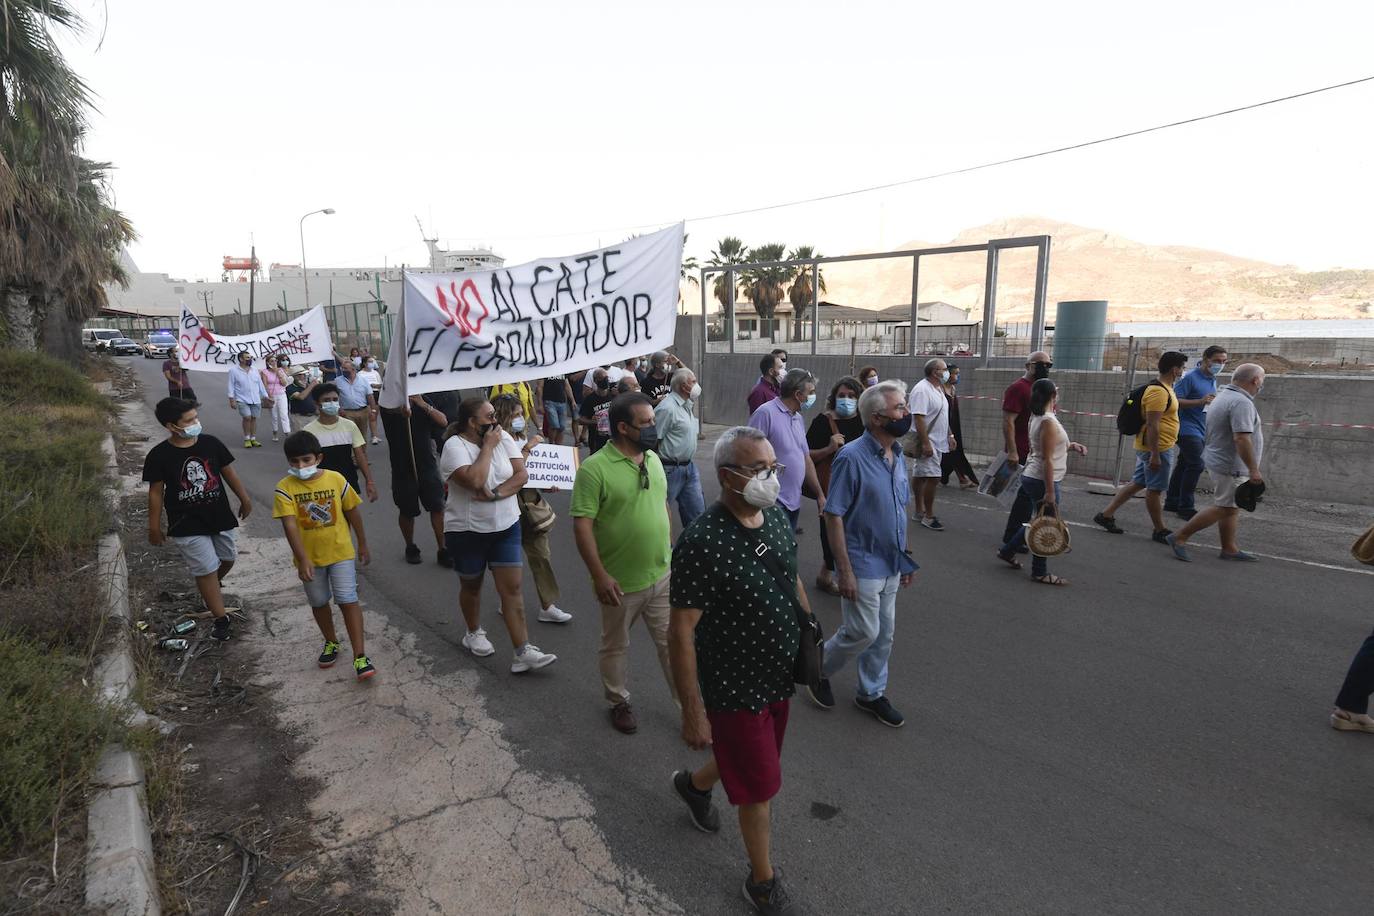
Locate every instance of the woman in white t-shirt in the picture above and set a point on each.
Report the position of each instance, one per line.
(373, 376)
(536, 518)
(484, 469)
(1045, 468)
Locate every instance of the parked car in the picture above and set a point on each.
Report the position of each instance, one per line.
(99, 338)
(159, 345)
(123, 346)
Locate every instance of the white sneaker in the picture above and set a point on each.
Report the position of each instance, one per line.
(477, 643)
(554, 614)
(529, 658)
(376, 441)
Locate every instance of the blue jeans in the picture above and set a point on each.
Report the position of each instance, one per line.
(866, 631)
(684, 488)
(1034, 492)
(338, 581)
(557, 413)
(1186, 474)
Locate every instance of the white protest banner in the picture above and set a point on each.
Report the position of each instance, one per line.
(544, 318)
(306, 339)
(551, 466)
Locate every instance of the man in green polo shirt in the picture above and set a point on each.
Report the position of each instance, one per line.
(620, 520)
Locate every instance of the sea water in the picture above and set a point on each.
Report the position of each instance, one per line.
(1234, 330)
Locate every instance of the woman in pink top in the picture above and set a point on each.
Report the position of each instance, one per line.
(275, 380)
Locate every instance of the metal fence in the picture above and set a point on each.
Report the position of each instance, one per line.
(764, 325)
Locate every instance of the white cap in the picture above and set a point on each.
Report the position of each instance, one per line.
(614, 374)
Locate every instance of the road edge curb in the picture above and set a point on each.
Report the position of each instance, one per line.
(121, 874)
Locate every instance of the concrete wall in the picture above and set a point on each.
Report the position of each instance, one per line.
(1312, 462)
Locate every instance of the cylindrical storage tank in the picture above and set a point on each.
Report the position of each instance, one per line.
(1080, 332)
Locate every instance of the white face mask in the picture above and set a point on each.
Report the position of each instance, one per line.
(356, 360)
(306, 472)
(517, 425)
(695, 392)
(761, 493)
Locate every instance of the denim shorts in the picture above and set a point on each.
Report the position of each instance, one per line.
(474, 551)
(249, 409)
(1154, 480)
(338, 581)
(557, 413)
(205, 553)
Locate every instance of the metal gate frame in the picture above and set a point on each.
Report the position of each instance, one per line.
(993, 248)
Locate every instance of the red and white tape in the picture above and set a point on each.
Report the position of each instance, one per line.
(1277, 424)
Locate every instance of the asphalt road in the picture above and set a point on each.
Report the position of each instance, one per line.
(1152, 739)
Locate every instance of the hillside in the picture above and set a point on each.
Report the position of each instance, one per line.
(1142, 282)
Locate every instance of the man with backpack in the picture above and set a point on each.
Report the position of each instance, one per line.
(1150, 412)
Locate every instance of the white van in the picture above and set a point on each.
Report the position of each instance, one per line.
(99, 338)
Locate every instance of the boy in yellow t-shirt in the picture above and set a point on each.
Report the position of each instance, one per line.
(316, 508)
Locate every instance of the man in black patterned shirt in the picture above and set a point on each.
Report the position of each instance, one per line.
(733, 637)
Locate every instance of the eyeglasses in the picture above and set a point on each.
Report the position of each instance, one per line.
(757, 473)
(644, 475)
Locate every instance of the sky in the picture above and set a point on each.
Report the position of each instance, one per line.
(546, 128)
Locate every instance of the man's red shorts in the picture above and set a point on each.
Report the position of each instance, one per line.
(748, 747)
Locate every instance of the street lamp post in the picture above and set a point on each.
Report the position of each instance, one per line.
(305, 276)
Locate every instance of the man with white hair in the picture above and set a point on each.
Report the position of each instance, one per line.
(678, 431)
(732, 639)
(1231, 455)
(780, 420)
(931, 438)
(865, 517)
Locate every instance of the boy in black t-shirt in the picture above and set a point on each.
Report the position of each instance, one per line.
(186, 474)
(594, 412)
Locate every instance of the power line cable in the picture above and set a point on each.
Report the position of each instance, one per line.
(1038, 155)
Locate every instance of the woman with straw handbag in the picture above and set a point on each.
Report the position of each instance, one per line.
(1045, 468)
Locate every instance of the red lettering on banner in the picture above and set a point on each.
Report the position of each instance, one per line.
(192, 353)
(466, 325)
(443, 305)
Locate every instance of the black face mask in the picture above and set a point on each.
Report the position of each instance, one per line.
(898, 428)
(484, 428)
(1042, 370)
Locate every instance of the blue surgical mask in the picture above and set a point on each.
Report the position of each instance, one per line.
(192, 431)
(809, 402)
(330, 407)
(304, 473)
(944, 375)
(517, 425)
(846, 407)
(1217, 367)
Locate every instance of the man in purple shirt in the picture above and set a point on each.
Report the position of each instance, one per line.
(771, 369)
(780, 420)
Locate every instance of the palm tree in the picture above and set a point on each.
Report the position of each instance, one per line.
(799, 293)
(688, 274)
(59, 237)
(728, 250)
(764, 285)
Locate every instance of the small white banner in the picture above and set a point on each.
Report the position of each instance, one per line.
(305, 340)
(551, 466)
(544, 318)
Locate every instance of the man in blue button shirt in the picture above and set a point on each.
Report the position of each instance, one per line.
(1194, 392)
(355, 395)
(865, 518)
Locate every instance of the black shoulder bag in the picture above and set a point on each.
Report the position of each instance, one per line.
(806, 668)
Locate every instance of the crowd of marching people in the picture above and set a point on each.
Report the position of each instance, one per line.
(723, 604)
